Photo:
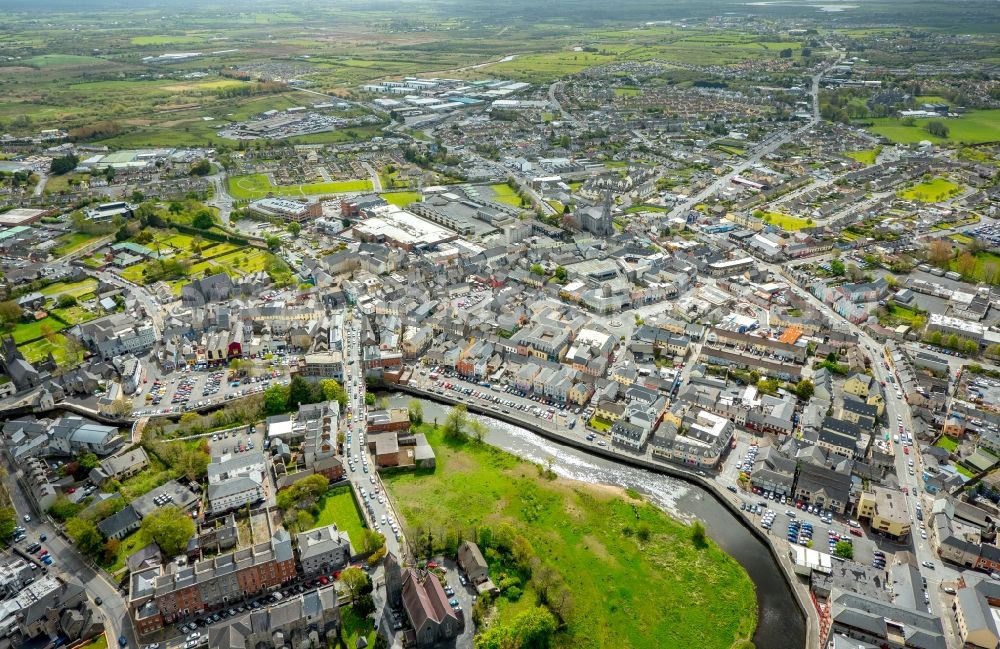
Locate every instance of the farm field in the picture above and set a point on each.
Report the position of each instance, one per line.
(785, 221)
(974, 127)
(587, 535)
(930, 191)
(338, 506)
(502, 193)
(255, 186)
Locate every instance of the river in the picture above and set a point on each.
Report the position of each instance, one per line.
(780, 623)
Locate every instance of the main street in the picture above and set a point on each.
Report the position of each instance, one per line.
(364, 478)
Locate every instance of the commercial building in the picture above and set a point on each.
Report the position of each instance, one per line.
(700, 439)
(285, 210)
(885, 511)
(106, 212)
(399, 228)
(948, 326)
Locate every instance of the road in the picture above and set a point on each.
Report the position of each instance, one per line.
(566, 116)
(146, 299)
(66, 560)
(362, 474)
(376, 181)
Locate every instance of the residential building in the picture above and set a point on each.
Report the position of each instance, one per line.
(323, 550)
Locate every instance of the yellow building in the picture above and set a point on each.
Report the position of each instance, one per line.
(859, 385)
(876, 399)
(885, 512)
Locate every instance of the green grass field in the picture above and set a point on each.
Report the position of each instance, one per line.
(72, 242)
(785, 221)
(947, 443)
(354, 627)
(256, 186)
(866, 157)
(963, 239)
(627, 92)
(62, 61)
(930, 191)
(338, 506)
(25, 331)
(167, 39)
(974, 127)
(401, 199)
(502, 193)
(986, 262)
(621, 585)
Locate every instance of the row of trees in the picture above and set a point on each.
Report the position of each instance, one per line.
(282, 398)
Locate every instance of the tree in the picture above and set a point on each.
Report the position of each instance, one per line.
(10, 312)
(110, 550)
(294, 228)
(536, 269)
(698, 536)
(303, 494)
(844, 549)
(85, 535)
(66, 301)
(837, 267)
(804, 389)
(201, 168)
(333, 391)
(63, 509)
(939, 253)
(370, 398)
(560, 273)
(937, 129)
(8, 521)
(88, 462)
(355, 580)
(203, 220)
(169, 528)
(532, 629)
(966, 264)
(63, 165)
(275, 400)
(416, 411)
(273, 242)
(935, 337)
(456, 422)
(299, 392)
(478, 430)
(371, 540)
(951, 342)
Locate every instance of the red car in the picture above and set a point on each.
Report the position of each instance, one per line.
(906, 450)
(324, 581)
(855, 531)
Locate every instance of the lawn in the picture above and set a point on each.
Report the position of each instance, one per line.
(785, 221)
(97, 642)
(256, 186)
(502, 193)
(401, 199)
(901, 313)
(930, 191)
(25, 331)
(141, 483)
(37, 351)
(72, 242)
(76, 289)
(974, 127)
(73, 315)
(866, 157)
(627, 92)
(599, 424)
(353, 626)
(963, 239)
(590, 536)
(947, 443)
(134, 541)
(338, 506)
